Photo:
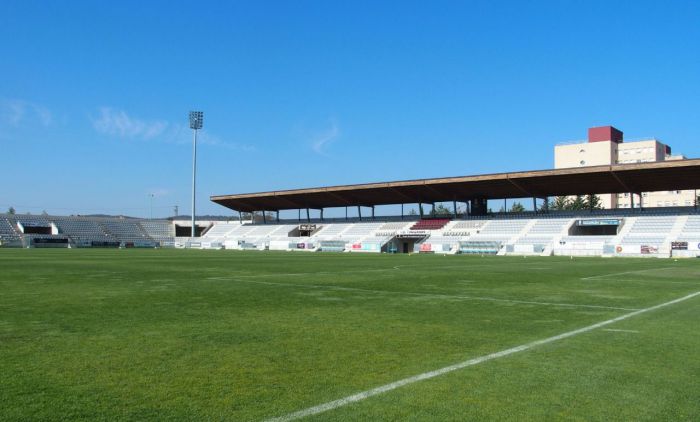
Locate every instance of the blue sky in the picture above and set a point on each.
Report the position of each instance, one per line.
(94, 96)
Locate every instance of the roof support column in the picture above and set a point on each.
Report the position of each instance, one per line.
(454, 207)
(632, 201)
(278, 216)
(321, 214)
(479, 206)
(420, 209)
(359, 212)
(264, 217)
(402, 210)
(240, 217)
(346, 213)
(299, 215)
(308, 218)
(372, 212)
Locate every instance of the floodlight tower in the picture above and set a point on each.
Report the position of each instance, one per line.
(196, 123)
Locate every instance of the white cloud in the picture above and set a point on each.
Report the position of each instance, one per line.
(118, 123)
(321, 140)
(207, 139)
(16, 112)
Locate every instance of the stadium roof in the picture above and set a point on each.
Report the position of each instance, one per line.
(640, 177)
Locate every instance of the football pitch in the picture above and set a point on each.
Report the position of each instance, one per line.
(255, 336)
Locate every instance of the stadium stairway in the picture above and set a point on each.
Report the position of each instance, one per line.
(677, 228)
(513, 240)
(627, 224)
(675, 232)
(549, 250)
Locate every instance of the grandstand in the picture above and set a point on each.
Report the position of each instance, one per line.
(651, 232)
(23, 230)
(602, 232)
(659, 232)
(159, 230)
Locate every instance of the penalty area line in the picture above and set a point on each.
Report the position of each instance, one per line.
(594, 277)
(471, 362)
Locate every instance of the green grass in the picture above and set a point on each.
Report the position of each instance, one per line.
(223, 335)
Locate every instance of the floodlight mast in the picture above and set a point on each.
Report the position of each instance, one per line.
(196, 123)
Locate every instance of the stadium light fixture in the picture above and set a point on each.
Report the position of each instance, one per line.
(196, 123)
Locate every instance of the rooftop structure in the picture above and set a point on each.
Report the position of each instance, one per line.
(606, 146)
(632, 178)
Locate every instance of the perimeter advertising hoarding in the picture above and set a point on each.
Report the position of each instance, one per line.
(646, 249)
(370, 246)
(679, 246)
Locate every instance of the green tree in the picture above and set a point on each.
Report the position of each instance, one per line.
(579, 203)
(517, 207)
(560, 203)
(11, 210)
(439, 210)
(594, 202)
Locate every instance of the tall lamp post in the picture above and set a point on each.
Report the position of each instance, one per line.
(196, 123)
(151, 195)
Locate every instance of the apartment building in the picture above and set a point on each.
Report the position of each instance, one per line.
(605, 146)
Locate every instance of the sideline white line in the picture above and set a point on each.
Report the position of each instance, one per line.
(471, 362)
(620, 330)
(436, 295)
(626, 272)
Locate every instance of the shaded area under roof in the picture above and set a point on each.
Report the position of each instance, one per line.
(636, 178)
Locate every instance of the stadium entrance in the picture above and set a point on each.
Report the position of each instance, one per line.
(595, 227)
(186, 231)
(404, 242)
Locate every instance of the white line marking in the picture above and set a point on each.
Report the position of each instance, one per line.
(626, 272)
(663, 281)
(619, 330)
(435, 295)
(471, 362)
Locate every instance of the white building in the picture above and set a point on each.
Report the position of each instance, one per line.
(605, 146)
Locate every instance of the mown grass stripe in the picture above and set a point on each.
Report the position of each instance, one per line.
(433, 295)
(471, 362)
